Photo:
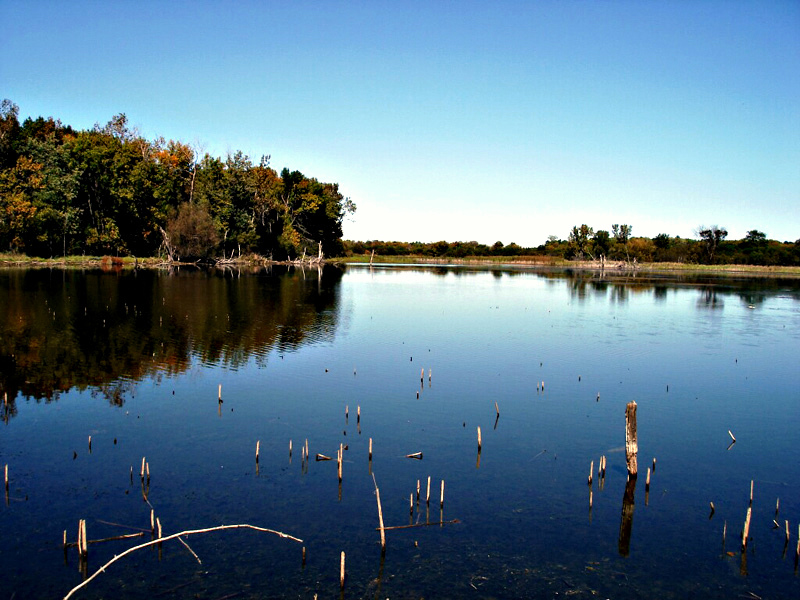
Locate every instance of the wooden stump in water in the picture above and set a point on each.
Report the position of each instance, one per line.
(631, 442)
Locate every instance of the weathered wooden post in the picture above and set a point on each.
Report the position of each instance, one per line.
(631, 442)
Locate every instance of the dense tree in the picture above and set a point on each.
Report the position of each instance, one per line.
(602, 243)
(110, 191)
(661, 241)
(191, 233)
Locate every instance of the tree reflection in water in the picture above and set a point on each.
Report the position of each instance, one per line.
(105, 331)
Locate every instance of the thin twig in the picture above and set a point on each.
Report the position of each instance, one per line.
(123, 526)
(172, 537)
(181, 540)
(109, 539)
(420, 525)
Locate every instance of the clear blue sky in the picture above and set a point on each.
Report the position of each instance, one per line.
(462, 120)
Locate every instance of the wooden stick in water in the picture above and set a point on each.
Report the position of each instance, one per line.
(341, 458)
(647, 481)
(746, 532)
(370, 449)
(631, 441)
(441, 497)
(428, 493)
(496, 408)
(591, 472)
(258, 448)
(751, 491)
(417, 455)
(341, 571)
(380, 518)
(479, 438)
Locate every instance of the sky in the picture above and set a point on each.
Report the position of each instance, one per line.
(459, 121)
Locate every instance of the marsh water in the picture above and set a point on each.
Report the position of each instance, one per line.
(419, 358)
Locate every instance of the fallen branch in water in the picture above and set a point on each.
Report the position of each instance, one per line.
(420, 525)
(172, 537)
(108, 539)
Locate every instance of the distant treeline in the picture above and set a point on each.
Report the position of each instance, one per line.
(109, 191)
(584, 243)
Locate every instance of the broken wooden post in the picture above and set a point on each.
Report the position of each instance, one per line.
(479, 439)
(341, 571)
(746, 531)
(631, 442)
(341, 456)
(380, 519)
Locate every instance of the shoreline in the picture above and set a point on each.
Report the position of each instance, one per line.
(532, 263)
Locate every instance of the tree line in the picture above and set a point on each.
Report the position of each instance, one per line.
(585, 243)
(110, 191)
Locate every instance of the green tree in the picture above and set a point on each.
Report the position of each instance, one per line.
(662, 241)
(9, 133)
(601, 242)
(622, 233)
(579, 240)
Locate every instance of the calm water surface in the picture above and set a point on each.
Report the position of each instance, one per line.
(135, 360)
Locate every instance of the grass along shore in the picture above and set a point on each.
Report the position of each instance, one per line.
(530, 262)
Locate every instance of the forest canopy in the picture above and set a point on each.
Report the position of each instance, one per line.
(110, 191)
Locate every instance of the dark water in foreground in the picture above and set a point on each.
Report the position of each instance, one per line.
(134, 360)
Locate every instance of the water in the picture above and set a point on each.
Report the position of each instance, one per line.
(135, 361)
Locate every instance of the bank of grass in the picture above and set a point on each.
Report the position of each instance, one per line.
(530, 262)
(535, 262)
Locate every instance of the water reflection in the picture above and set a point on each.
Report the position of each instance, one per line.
(63, 329)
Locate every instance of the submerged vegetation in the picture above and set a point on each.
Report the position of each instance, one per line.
(110, 191)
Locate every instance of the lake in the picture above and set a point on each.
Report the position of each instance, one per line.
(192, 370)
